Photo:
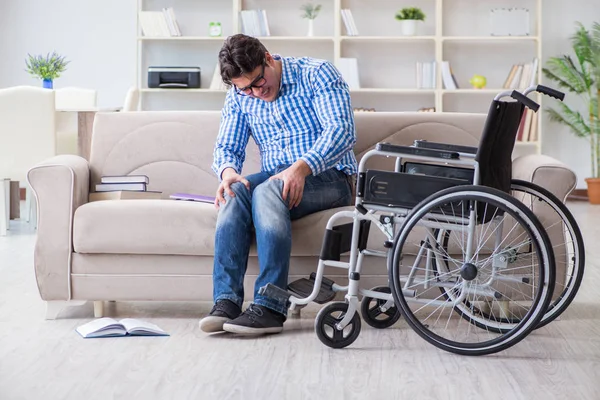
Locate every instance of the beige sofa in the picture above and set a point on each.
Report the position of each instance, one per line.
(162, 250)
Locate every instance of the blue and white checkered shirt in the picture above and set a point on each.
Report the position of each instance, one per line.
(312, 120)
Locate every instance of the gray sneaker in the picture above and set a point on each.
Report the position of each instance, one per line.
(222, 311)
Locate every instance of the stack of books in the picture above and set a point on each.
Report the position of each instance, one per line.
(159, 23)
(123, 187)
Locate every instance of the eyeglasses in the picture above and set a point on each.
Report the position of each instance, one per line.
(258, 82)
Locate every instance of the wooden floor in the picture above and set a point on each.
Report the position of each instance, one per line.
(42, 359)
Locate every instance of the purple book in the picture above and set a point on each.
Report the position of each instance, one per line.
(192, 197)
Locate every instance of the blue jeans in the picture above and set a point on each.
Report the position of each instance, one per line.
(261, 211)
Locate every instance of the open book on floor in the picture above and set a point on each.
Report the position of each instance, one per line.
(108, 327)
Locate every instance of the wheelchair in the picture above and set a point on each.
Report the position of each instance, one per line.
(471, 267)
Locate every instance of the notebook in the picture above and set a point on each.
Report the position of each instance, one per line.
(193, 197)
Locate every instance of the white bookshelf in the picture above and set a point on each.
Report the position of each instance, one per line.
(454, 30)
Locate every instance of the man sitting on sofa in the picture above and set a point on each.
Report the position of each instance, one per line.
(298, 112)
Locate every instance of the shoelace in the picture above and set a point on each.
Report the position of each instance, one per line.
(253, 312)
(219, 307)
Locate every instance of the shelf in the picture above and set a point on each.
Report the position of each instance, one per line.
(386, 38)
(473, 91)
(391, 90)
(387, 60)
(222, 38)
(534, 143)
(296, 38)
(194, 38)
(489, 38)
(148, 90)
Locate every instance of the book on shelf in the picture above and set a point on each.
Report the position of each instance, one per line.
(159, 23)
(348, 68)
(124, 195)
(193, 197)
(426, 73)
(125, 179)
(521, 76)
(448, 78)
(217, 82)
(110, 187)
(109, 327)
(528, 127)
(349, 24)
(255, 22)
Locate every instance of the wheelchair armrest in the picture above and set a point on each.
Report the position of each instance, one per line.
(444, 146)
(393, 148)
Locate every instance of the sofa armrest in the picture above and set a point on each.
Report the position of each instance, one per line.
(60, 185)
(546, 172)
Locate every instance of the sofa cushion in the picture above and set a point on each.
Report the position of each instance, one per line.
(171, 227)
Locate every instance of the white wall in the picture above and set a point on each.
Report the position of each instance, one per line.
(98, 36)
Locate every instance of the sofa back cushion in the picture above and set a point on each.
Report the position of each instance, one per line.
(175, 148)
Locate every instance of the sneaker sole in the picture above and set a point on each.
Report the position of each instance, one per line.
(245, 330)
(212, 324)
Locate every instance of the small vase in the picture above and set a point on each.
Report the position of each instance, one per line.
(409, 27)
(47, 83)
(310, 27)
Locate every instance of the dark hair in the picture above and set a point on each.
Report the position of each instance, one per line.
(240, 55)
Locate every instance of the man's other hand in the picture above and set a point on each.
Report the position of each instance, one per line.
(293, 182)
(229, 177)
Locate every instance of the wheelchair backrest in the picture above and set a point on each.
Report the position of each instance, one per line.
(497, 143)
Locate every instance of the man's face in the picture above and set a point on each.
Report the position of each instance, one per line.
(261, 83)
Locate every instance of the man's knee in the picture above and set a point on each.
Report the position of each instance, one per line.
(268, 191)
(239, 189)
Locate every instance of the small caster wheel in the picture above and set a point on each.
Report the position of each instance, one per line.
(370, 309)
(325, 326)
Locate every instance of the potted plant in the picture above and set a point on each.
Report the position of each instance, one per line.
(47, 68)
(581, 77)
(310, 12)
(408, 18)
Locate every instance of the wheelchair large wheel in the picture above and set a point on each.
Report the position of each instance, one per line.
(566, 239)
(498, 258)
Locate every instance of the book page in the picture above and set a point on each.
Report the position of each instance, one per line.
(139, 327)
(101, 327)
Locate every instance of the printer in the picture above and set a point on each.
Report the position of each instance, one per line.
(174, 77)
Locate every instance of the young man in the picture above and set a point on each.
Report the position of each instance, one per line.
(298, 112)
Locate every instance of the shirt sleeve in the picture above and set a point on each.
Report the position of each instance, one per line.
(234, 131)
(334, 111)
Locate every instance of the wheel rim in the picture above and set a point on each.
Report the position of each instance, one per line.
(428, 325)
(569, 253)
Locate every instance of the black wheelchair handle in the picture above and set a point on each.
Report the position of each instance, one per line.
(550, 92)
(521, 98)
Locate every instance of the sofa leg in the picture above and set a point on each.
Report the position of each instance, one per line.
(54, 307)
(98, 309)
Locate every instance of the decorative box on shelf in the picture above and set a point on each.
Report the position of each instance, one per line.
(509, 22)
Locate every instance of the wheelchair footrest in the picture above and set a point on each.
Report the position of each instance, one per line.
(303, 288)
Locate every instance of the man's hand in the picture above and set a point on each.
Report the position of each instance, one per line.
(229, 177)
(293, 182)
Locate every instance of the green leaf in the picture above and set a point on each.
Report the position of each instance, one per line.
(573, 119)
(565, 73)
